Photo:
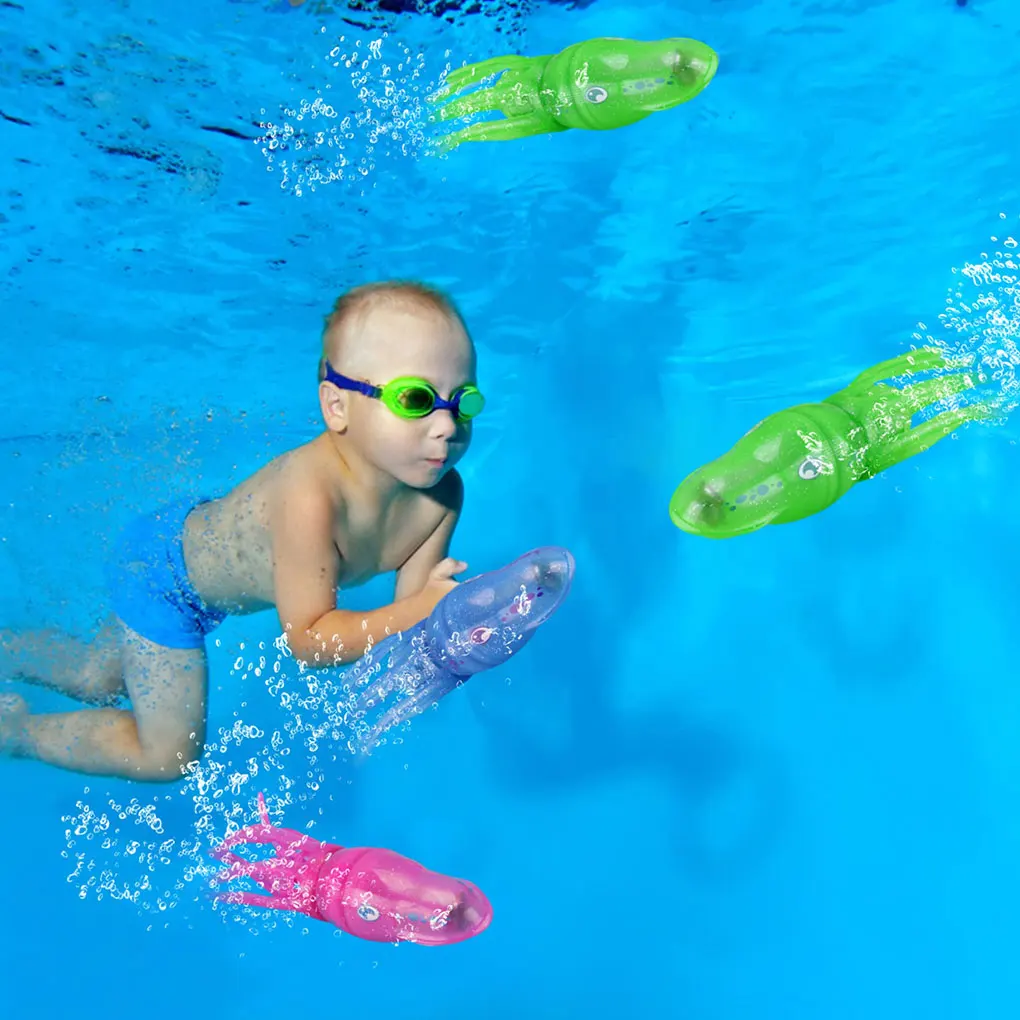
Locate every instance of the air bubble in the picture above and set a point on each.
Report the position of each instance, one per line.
(312, 145)
(983, 322)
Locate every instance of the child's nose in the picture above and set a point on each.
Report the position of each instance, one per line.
(443, 424)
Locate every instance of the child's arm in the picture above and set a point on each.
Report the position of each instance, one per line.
(414, 574)
(306, 565)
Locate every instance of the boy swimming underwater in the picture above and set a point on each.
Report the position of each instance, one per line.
(377, 491)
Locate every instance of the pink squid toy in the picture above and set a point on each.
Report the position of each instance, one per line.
(373, 894)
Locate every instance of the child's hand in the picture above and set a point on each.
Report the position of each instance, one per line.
(441, 580)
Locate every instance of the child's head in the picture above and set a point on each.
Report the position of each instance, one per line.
(385, 331)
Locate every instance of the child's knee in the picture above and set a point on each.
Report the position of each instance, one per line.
(167, 761)
(98, 685)
(155, 768)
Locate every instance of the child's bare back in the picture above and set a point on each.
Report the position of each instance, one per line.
(297, 531)
(376, 492)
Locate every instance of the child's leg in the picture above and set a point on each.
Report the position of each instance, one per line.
(163, 732)
(87, 671)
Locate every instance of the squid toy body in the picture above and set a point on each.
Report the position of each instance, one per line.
(799, 461)
(598, 85)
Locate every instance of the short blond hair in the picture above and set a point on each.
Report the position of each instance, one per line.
(357, 302)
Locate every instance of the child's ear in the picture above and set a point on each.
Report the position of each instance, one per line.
(333, 402)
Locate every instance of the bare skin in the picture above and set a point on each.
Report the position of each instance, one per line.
(373, 493)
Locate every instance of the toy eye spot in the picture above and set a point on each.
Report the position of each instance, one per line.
(368, 913)
(811, 468)
(596, 94)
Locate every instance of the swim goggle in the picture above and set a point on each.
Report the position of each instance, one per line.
(410, 397)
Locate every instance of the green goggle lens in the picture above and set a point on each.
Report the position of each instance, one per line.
(415, 400)
(470, 403)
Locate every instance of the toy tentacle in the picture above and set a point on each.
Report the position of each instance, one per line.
(258, 834)
(920, 395)
(463, 76)
(266, 873)
(252, 899)
(922, 360)
(288, 885)
(235, 864)
(926, 435)
(500, 131)
(483, 101)
(289, 841)
(412, 704)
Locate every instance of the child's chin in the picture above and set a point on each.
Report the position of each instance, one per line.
(424, 478)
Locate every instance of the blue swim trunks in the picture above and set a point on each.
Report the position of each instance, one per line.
(148, 582)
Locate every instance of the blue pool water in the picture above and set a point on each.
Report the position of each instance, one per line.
(774, 777)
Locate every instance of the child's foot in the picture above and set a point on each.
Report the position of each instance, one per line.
(13, 710)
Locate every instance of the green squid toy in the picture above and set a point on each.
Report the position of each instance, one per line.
(599, 85)
(801, 460)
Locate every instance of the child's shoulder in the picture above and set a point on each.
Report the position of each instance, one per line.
(304, 476)
(312, 462)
